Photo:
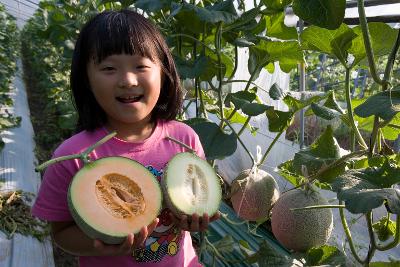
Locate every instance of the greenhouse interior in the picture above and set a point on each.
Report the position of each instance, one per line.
(295, 103)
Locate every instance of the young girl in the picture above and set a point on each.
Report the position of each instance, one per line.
(123, 79)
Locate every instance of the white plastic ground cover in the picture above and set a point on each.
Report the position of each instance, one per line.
(17, 170)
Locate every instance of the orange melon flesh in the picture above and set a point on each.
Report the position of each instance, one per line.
(93, 215)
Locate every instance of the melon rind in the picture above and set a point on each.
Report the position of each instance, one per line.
(300, 230)
(117, 165)
(254, 192)
(173, 194)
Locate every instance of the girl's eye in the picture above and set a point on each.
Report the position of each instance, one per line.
(107, 68)
(142, 66)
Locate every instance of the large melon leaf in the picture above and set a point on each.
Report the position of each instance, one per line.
(366, 189)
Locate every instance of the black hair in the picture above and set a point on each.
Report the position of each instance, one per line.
(121, 32)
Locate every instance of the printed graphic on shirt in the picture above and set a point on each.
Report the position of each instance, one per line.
(165, 239)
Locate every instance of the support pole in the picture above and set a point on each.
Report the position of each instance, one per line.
(302, 88)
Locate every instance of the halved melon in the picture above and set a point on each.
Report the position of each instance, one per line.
(191, 186)
(112, 197)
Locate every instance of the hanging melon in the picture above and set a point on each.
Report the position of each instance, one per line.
(253, 193)
(191, 186)
(301, 230)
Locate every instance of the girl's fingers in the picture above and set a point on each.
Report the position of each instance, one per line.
(152, 226)
(184, 223)
(140, 237)
(127, 245)
(194, 226)
(205, 220)
(144, 233)
(215, 217)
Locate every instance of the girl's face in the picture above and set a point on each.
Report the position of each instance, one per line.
(126, 86)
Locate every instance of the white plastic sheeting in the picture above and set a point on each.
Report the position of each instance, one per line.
(17, 170)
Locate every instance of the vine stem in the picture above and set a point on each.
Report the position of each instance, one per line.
(367, 42)
(270, 147)
(388, 71)
(320, 207)
(181, 143)
(218, 36)
(372, 248)
(396, 239)
(350, 111)
(83, 156)
(348, 234)
(240, 140)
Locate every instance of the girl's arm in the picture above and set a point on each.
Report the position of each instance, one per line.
(69, 237)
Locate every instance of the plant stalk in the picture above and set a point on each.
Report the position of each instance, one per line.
(350, 111)
(367, 42)
(348, 234)
(270, 147)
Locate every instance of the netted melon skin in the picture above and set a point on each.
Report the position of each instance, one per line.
(253, 199)
(301, 229)
(167, 194)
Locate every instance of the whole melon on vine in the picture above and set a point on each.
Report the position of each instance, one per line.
(253, 192)
(300, 230)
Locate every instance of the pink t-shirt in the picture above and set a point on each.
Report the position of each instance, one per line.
(167, 246)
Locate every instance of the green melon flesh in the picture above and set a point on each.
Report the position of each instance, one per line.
(191, 186)
(300, 230)
(253, 192)
(112, 197)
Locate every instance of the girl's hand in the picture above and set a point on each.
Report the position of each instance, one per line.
(194, 223)
(126, 248)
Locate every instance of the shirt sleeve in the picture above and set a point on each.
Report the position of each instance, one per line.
(51, 203)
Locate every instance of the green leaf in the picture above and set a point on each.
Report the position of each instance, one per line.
(276, 93)
(322, 152)
(190, 70)
(384, 228)
(267, 256)
(242, 100)
(225, 244)
(382, 39)
(325, 255)
(340, 44)
(327, 14)
(287, 53)
(152, 5)
(216, 143)
(324, 112)
(296, 105)
(276, 4)
(384, 104)
(279, 120)
(367, 189)
(287, 171)
(332, 103)
(277, 28)
(333, 42)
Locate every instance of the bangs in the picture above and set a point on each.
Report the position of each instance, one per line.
(117, 34)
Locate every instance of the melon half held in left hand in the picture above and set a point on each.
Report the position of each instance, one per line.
(112, 197)
(191, 186)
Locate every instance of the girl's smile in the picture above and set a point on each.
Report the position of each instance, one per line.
(127, 88)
